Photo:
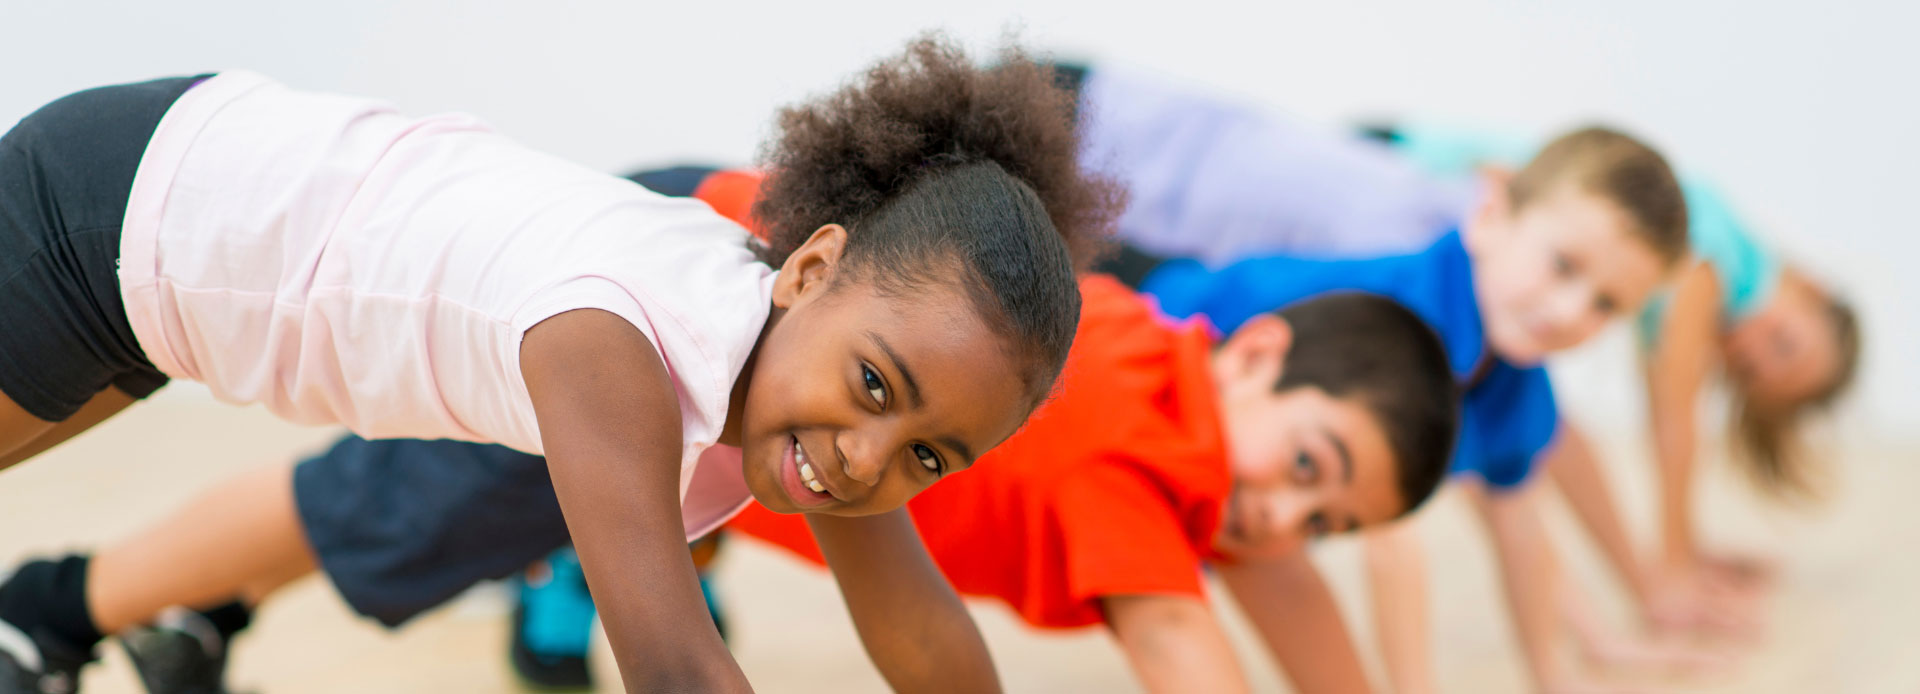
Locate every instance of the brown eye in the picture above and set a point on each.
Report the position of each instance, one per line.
(1561, 265)
(928, 459)
(1304, 471)
(875, 387)
(1317, 525)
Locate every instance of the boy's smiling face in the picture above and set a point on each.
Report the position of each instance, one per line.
(1304, 463)
(1551, 274)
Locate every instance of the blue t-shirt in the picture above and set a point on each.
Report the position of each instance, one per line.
(1507, 417)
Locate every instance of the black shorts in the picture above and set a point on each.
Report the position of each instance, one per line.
(65, 174)
(401, 526)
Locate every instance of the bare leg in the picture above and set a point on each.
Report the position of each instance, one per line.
(241, 539)
(17, 428)
(104, 404)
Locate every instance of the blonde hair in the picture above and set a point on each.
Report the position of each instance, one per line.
(1620, 169)
(1767, 439)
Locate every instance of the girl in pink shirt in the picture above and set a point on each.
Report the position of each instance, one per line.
(339, 262)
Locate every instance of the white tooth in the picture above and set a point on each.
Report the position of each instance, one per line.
(815, 486)
(799, 452)
(806, 472)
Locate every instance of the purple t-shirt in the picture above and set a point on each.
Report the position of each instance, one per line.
(1219, 181)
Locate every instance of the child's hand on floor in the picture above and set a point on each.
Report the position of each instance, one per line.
(1741, 573)
(1654, 654)
(1610, 654)
(1702, 603)
(1587, 687)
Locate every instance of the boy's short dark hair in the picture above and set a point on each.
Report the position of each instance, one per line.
(1368, 347)
(1620, 169)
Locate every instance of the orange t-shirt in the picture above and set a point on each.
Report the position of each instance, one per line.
(731, 193)
(1113, 487)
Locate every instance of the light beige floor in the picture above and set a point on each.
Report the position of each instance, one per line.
(1848, 619)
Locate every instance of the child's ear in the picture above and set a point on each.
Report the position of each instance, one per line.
(811, 266)
(1256, 350)
(1493, 213)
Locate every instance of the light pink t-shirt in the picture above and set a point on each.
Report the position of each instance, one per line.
(341, 263)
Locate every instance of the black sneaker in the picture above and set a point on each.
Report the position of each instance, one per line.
(181, 653)
(35, 666)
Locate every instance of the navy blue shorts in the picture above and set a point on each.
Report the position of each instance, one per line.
(66, 172)
(401, 526)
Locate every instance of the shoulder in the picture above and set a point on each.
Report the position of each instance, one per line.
(580, 344)
(586, 363)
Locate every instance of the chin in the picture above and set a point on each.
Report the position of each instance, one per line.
(764, 488)
(769, 498)
(1521, 351)
(1525, 358)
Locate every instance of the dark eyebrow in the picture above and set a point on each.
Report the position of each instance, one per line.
(1346, 459)
(966, 454)
(900, 365)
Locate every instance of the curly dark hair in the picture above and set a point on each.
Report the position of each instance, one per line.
(933, 163)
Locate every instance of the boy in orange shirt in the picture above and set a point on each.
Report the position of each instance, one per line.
(1164, 450)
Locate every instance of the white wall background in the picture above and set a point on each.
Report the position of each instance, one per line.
(1807, 114)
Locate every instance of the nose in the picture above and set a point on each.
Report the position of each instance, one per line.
(863, 456)
(1278, 518)
(1571, 311)
(1288, 510)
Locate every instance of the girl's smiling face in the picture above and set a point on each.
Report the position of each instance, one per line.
(859, 399)
(1786, 352)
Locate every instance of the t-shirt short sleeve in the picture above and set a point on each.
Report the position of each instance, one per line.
(582, 293)
(1508, 420)
(1116, 533)
(687, 367)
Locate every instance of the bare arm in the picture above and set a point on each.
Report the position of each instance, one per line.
(1675, 375)
(1397, 570)
(1291, 606)
(1531, 577)
(1174, 643)
(1572, 466)
(912, 624)
(611, 426)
